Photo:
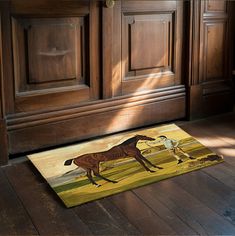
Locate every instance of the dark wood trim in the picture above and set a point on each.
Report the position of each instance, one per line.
(24, 120)
(194, 42)
(96, 124)
(3, 130)
(7, 65)
(3, 143)
(117, 49)
(107, 46)
(208, 96)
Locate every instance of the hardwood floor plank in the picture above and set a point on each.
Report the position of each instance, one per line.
(45, 209)
(164, 212)
(200, 202)
(224, 172)
(103, 218)
(211, 192)
(14, 219)
(186, 207)
(140, 215)
(213, 140)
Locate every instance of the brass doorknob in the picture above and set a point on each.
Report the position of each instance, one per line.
(109, 3)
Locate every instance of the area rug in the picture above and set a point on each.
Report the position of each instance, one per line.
(91, 170)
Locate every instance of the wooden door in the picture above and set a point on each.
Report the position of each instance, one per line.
(211, 58)
(77, 69)
(148, 47)
(54, 46)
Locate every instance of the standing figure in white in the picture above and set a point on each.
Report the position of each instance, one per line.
(173, 147)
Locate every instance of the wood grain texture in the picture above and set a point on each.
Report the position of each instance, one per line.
(178, 224)
(151, 45)
(3, 131)
(3, 143)
(7, 65)
(56, 57)
(149, 37)
(211, 189)
(215, 6)
(13, 216)
(107, 50)
(64, 8)
(99, 123)
(210, 58)
(140, 215)
(103, 218)
(198, 215)
(47, 213)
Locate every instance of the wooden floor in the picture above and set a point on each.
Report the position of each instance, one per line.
(200, 202)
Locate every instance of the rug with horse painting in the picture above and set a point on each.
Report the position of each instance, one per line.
(102, 167)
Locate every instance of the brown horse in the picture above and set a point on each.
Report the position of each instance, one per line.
(90, 162)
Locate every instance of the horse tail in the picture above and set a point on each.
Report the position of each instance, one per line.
(68, 162)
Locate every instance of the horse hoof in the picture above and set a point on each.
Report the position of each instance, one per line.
(152, 171)
(114, 182)
(97, 185)
(160, 168)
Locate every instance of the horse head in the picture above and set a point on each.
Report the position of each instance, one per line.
(143, 137)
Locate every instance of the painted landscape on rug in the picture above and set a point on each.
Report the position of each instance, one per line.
(91, 170)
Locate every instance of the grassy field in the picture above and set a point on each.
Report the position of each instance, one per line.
(130, 174)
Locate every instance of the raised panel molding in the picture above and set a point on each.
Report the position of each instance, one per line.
(147, 45)
(149, 56)
(154, 31)
(56, 56)
(49, 52)
(210, 89)
(97, 118)
(215, 6)
(214, 50)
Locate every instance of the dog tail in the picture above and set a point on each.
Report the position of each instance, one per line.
(68, 162)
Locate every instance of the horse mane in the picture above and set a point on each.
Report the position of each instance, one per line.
(129, 141)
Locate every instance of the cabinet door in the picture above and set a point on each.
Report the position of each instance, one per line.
(54, 46)
(148, 47)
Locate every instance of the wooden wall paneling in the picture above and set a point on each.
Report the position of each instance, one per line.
(117, 49)
(3, 130)
(54, 53)
(107, 57)
(151, 45)
(93, 122)
(57, 122)
(7, 66)
(210, 79)
(94, 53)
(40, 8)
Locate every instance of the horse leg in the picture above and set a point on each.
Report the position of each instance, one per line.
(149, 162)
(89, 176)
(138, 158)
(138, 153)
(102, 177)
(97, 173)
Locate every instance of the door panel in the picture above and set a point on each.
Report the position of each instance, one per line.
(214, 54)
(210, 75)
(53, 56)
(214, 50)
(55, 92)
(151, 45)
